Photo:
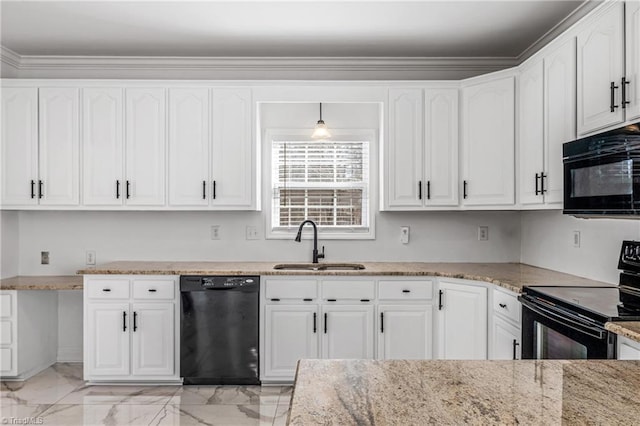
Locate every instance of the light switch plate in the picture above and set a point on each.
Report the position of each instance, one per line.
(404, 234)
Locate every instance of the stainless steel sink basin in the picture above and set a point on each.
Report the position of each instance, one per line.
(320, 266)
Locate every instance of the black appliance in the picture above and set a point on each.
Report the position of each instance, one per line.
(602, 173)
(568, 322)
(219, 330)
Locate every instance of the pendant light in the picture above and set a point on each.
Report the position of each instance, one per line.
(320, 132)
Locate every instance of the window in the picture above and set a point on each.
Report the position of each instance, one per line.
(325, 181)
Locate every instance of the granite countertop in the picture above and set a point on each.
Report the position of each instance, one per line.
(368, 392)
(630, 329)
(512, 276)
(43, 282)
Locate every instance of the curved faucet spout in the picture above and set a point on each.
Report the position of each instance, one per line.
(298, 238)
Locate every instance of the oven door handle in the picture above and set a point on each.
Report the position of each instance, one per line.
(565, 320)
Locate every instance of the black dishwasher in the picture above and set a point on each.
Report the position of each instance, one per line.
(219, 330)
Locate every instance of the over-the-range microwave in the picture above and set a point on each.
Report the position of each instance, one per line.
(602, 173)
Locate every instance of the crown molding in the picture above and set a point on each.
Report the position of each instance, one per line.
(9, 57)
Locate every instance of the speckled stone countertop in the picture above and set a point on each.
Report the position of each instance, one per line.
(367, 392)
(512, 276)
(630, 329)
(43, 282)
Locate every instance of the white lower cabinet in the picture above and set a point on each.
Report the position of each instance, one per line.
(131, 328)
(628, 349)
(404, 331)
(462, 318)
(347, 332)
(505, 343)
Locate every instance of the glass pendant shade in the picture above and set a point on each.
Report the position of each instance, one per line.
(320, 131)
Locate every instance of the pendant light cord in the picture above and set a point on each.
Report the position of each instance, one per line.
(320, 111)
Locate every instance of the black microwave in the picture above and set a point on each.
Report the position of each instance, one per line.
(602, 173)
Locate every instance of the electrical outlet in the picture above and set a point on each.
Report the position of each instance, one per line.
(44, 257)
(483, 233)
(404, 234)
(252, 233)
(215, 232)
(90, 257)
(576, 239)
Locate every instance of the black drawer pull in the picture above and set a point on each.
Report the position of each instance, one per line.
(275, 300)
(152, 290)
(106, 289)
(406, 291)
(502, 305)
(331, 300)
(365, 300)
(307, 300)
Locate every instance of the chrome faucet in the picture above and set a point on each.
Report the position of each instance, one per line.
(316, 255)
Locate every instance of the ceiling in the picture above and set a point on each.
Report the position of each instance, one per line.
(279, 29)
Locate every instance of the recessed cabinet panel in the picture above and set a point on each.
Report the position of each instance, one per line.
(19, 146)
(405, 148)
(145, 147)
(632, 40)
(189, 147)
(232, 162)
(102, 147)
(153, 339)
(59, 147)
(531, 130)
(600, 69)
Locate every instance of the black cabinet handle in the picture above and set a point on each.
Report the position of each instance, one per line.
(537, 183)
(502, 305)
(128, 190)
(325, 323)
(204, 189)
(542, 178)
(124, 321)
(106, 289)
(152, 290)
(33, 188)
(314, 322)
(365, 300)
(613, 88)
(275, 300)
(214, 189)
(331, 300)
(419, 190)
(406, 291)
(624, 102)
(428, 190)
(440, 292)
(40, 189)
(464, 189)
(381, 322)
(307, 300)
(118, 189)
(515, 351)
(135, 322)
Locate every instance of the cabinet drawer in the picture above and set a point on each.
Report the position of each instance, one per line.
(405, 290)
(348, 290)
(108, 289)
(154, 289)
(6, 360)
(6, 335)
(506, 305)
(5, 305)
(291, 289)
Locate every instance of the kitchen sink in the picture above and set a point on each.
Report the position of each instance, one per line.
(320, 266)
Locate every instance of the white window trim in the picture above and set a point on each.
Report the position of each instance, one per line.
(370, 135)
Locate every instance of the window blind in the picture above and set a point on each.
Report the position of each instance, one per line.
(327, 182)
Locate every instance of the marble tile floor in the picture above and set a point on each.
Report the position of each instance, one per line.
(59, 397)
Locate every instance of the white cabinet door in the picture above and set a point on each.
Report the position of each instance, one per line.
(152, 329)
(232, 162)
(189, 147)
(601, 65)
(632, 90)
(59, 147)
(347, 332)
(107, 346)
(19, 146)
(488, 142)
(559, 115)
(505, 342)
(440, 147)
(405, 149)
(145, 147)
(462, 321)
(102, 147)
(291, 334)
(531, 131)
(404, 331)
(628, 349)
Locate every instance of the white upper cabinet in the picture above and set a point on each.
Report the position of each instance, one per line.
(232, 160)
(632, 89)
(488, 142)
(422, 154)
(59, 148)
(600, 69)
(102, 144)
(19, 146)
(145, 146)
(531, 129)
(189, 147)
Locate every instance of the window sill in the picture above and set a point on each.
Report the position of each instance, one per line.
(307, 234)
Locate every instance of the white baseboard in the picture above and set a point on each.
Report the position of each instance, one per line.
(70, 354)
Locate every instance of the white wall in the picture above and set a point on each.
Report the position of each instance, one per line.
(9, 244)
(547, 241)
(70, 326)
